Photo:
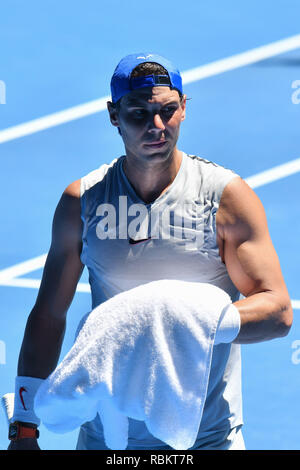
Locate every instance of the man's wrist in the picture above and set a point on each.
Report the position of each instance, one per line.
(25, 391)
(19, 430)
(27, 425)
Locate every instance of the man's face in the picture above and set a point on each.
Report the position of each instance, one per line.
(149, 120)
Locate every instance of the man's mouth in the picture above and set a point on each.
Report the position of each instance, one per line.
(156, 144)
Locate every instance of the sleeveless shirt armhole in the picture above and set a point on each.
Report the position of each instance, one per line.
(86, 184)
(83, 195)
(231, 175)
(82, 199)
(226, 176)
(82, 186)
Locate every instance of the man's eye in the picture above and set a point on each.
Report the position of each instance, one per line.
(169, 110)
(138, 112)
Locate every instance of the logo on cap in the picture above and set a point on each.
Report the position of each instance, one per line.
(145, 57)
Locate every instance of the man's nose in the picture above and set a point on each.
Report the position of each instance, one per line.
(157, 123)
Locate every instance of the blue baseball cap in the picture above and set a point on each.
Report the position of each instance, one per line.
(121, 83)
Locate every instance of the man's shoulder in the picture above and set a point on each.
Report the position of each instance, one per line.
(207, 165)
(240, 198)
(213, 177)
(76, 188)
(73, 189)
(95, 176)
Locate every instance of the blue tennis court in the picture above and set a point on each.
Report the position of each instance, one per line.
(241, 70)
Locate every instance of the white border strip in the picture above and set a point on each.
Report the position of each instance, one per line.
(214, 68)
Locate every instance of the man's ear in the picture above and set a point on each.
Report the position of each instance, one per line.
(183, 106)
(113, 114)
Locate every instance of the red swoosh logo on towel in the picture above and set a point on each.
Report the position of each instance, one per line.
(21, 390)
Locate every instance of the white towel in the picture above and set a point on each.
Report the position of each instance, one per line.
(143, 354)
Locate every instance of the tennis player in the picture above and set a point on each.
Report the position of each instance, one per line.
(98, 224)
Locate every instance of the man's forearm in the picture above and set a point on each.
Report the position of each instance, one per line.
(264, 316)
(41, 345)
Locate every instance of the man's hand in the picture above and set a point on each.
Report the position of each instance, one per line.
(27, 443)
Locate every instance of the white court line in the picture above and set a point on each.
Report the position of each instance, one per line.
(35, 284)
(9, 276)
(198, 73)
(276, 173)
(23, 268)
(240, 60)
(52, 120)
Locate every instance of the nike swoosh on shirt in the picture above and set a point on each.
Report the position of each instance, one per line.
(134, 242)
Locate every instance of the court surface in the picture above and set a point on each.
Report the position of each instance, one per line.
(240, 66)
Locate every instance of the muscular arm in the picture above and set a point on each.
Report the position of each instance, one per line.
(252, 263)
(45, 326)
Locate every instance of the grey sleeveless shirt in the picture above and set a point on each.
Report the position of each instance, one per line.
(127, 243)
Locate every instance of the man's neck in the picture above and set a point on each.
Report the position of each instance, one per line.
(150, 181)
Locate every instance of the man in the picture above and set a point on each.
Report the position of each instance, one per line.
(233, 250)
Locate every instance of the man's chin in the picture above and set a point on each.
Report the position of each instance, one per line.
(155, 156)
